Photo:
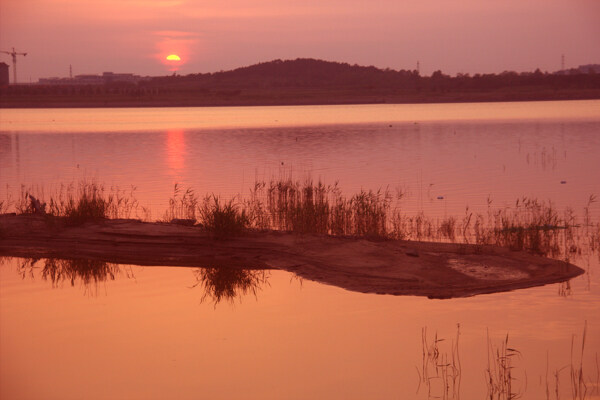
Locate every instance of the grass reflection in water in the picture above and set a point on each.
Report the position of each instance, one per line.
(228, 283)
(220, 282)
(88, 273)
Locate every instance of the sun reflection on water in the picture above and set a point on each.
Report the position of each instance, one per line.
(175, 151)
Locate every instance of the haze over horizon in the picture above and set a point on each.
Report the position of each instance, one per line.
(136, 36)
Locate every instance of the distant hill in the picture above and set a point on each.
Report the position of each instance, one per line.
(302, 72)
(310, 81)
(308, 71)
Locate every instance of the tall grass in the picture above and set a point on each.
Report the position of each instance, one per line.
(299, 207)
(505, 378)
(316, 208)
(222, 218)
(501, 372)
(82, 202)
(441, 370)
(183, 205)
(530, 225)
(6, 203)
(307, 207)
(578, 382)
(88, 205)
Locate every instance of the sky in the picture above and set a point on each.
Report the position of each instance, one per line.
(135, 36)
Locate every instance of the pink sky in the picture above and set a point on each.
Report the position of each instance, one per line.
(455, 36)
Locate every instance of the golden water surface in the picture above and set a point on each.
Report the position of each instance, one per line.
(157, 332)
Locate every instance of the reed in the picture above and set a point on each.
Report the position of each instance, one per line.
(448, 228)
(441, 370)
(582, 385)
(316, 208)
(183, 205)
(578, 383)
(90, 204)
(307, 207)
(530, 225)
(221, 218)
(500, 372)
(592, 230)
(5, 204)
(297, 207)
(80, 203)
(257, 208)
(22, 204)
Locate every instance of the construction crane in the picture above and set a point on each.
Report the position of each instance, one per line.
(14, 55)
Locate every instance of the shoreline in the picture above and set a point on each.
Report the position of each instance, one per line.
(396, 267)
(281, 99)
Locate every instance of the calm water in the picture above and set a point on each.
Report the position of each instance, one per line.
(148, 333)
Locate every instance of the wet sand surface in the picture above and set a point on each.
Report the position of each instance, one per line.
(436, 270)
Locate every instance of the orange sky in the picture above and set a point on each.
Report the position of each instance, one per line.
(454, 36)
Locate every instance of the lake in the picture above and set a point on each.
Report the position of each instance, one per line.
(156, 332)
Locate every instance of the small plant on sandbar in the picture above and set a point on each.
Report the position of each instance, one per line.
(5, 203)
(222, 218)
(182, 205)
(89, 205)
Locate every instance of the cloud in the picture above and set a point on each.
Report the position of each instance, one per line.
(177, 34)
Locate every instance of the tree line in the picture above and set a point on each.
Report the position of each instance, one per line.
(317, 80)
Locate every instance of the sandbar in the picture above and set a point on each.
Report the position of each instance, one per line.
(394, 267)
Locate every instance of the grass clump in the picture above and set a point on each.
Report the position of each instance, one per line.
(531, 225)
(89, 205)
(306, 207)
(81, 203)
(365, 214)
(222, 218)
(5, 203)
(297, 207)
(183, 205)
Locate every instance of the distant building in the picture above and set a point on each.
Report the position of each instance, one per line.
(586, 69)
(582, 69)
(112, 77)
(3, 74)
(93, 79)
(88, 79)
(55, 81)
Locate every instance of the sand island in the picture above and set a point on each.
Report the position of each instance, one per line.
(396, 267)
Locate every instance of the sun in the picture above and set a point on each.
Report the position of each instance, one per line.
(173, 57)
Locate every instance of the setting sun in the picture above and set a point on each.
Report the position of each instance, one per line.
(173, 57)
